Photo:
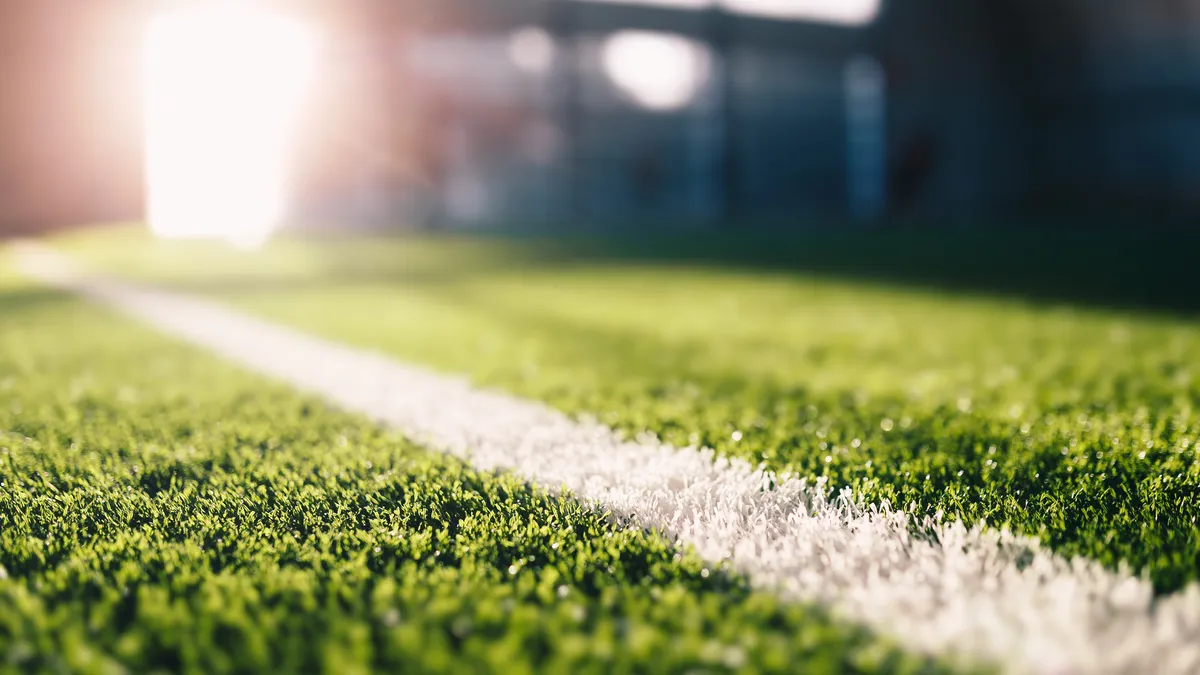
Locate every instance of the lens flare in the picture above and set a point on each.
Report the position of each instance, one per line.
(224, 91)
(658, 71)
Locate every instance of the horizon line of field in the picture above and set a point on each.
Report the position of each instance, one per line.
(968, 591)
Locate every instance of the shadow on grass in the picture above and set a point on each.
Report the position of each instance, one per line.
(14, 302)
(1155, 272)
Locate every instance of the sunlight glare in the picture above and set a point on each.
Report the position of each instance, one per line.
(224, 89)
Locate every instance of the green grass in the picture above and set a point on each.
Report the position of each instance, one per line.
(1060, 418)
(163, 511)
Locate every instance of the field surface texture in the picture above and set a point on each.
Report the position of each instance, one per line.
(947, 394)
(162, 510)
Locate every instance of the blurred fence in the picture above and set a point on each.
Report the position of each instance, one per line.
(564, 113)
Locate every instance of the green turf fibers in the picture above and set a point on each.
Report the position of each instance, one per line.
(1062, 420)
(161, 511)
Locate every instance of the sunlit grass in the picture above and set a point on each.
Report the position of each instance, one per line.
(163, 511)
(1060, 419)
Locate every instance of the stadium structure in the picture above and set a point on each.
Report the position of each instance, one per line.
(471, 112)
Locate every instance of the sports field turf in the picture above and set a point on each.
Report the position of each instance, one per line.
(162, 510)
(1059, 418)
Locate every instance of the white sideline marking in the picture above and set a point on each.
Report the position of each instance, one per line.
(987, 595)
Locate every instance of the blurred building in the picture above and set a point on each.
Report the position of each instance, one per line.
(742, 112)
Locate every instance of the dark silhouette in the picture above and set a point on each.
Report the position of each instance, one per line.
(913, 167)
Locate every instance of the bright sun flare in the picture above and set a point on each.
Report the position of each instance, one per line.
(223, 94)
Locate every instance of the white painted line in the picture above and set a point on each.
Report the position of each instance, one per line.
(985, 595)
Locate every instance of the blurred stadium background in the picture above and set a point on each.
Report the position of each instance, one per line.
(572, 114)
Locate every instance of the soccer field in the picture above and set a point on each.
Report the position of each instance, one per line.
(165, 508)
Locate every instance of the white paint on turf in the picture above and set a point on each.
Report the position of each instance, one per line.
(960, 591)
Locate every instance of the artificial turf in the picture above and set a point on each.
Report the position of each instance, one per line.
(1059, 417)
(163, 511)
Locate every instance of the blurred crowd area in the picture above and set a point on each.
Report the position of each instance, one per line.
(489, 113)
